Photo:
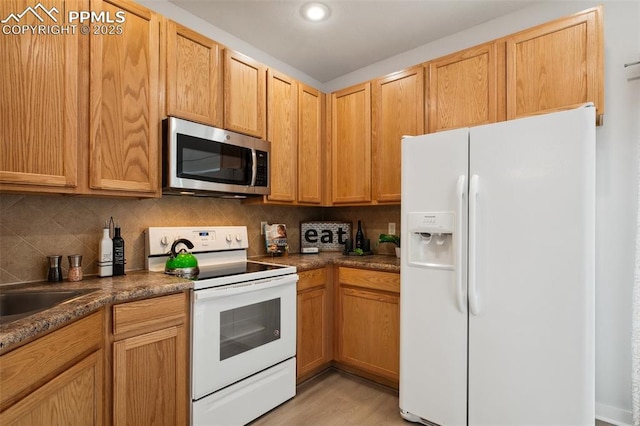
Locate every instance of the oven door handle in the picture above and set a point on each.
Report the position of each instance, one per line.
(245, 287)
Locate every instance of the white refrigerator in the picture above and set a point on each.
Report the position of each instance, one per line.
(497, 273)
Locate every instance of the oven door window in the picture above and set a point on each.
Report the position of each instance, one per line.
(248, 327)
(213, 161)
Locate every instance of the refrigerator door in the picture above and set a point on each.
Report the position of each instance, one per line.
(531, 326)
(433, 325)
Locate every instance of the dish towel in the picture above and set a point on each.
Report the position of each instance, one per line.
(635, 327)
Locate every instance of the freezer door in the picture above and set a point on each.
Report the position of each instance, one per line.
(433, 323)
(531, 325)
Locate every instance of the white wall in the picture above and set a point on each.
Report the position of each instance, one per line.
(617, 162)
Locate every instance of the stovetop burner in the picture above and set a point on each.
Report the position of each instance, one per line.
(230, 269)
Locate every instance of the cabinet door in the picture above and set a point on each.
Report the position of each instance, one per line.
(124, 102)
(312, 346)
(39, 97)
(148, 385)
(369, 336)
(283, 135)
(314, 325)
(368, 328)
(194, 76)
(558, 65)
(245, 82)
(310, 123)
(71, 398)
(398, 110)
(150, 364)
(463, 89)
(351, 145)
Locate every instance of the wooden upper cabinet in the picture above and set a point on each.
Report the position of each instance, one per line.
(124, 119)
(310, 123)
(245, 83)
(283, 135)
(39, 97)
(194, 76)
(463, 89)
(398, 110)
(351, 145)
(557, 65)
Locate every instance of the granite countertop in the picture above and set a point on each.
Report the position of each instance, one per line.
(109, 290)
(145, 284)
(304, 262)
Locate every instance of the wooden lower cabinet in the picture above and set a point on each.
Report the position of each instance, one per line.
(368, 323)
(150, 361)
(62, 378)
(314, 348)
(57, 379)
(71, 398)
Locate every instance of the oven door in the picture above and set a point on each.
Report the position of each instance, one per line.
(241, 329)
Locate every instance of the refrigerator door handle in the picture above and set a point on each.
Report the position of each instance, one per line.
(474, 302)
(460, 187)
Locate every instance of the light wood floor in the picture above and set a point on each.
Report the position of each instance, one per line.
(336, 398)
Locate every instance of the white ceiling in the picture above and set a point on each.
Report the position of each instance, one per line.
(358, 33)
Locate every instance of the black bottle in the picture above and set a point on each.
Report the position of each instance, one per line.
(118, 253)
(359, 237)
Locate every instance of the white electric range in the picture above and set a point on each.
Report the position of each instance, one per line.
(243, 328)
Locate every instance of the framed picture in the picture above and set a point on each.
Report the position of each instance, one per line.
(275, 236)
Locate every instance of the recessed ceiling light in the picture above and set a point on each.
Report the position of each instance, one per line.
(315, 12)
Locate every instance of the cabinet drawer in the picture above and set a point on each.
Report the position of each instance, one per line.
(34, 363)
(375, 280)
(149, 314)
(312, 278)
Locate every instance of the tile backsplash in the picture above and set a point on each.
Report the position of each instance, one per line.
(34, 226)
(375, 220)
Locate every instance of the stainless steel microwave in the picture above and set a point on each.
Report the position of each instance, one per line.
(207, 161)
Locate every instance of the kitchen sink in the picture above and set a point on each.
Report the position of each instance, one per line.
(21, 303)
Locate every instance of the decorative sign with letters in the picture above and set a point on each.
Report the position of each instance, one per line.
(326, 236)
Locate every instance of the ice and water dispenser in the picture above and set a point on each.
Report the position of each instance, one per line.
(431, 239)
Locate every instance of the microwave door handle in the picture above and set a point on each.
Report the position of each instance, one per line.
(254, 166)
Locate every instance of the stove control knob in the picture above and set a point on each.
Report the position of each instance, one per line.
(229, 238)
(238, 237)
(164, 241)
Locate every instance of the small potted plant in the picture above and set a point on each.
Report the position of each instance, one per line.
(390, 238)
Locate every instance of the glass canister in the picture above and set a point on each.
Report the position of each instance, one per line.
(55, 270)
(75, 267)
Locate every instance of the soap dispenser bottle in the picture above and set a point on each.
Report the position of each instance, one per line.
(105, 255)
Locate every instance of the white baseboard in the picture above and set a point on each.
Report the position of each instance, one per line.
(614, 415)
